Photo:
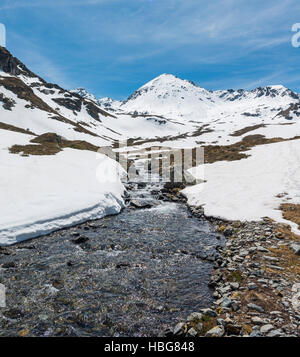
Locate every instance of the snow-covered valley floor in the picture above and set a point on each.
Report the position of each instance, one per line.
(251, 188)
(40, 194)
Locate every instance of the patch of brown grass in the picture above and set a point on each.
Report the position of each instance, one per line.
(288, 260)
(50, 144)
(214, 153)
(291, 212)
(15, 129)
(247, 329)
(34, 150)
(208, 323)
(235, 276)
(265, 298)
(285, 231)
(247, 129)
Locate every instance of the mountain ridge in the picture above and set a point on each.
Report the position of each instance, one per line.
(166, 107)
(168, 91)
(267, 90)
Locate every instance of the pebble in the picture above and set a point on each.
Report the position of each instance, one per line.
(234, 286)
(271, 259)
(227, 302)
(275, 333)
(199, 326)
(192, 332)
(252, 286)
(258, 320)
(179, 329)
(255, 307)
(217, 331)
(194, 316)
(256, 334)
(266, 328)
(296, 248)
(262, 249)
(209, 312)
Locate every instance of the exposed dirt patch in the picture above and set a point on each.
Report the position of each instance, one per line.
(263, 297)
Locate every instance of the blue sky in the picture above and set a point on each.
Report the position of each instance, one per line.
(112, 47)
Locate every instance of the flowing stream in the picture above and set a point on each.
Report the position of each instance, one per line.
(133, 274)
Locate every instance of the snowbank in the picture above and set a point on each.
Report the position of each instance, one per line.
(247, 189)
(40, 194)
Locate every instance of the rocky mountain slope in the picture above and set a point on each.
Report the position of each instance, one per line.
(30, 103)
(106, 103)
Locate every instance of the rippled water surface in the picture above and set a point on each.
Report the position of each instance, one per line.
(135, 274)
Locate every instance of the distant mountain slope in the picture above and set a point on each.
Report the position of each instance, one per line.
(50, 173)
(29, 102)
(105, 103)
(172, 110)
(177, 111)
(109, 104)
(171, 96)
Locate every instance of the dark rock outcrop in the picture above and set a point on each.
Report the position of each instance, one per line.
(11, 64)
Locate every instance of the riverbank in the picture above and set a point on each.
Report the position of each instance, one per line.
(133, 274)
(255, 281)
(158, 268)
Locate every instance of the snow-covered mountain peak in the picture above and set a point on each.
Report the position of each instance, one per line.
(105, 103)
(84, 93)
(108, 103)
(166, 81)
(275, 91)
(278, 86)
(170, 96)
(264, 93)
